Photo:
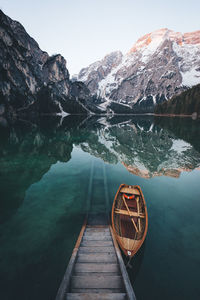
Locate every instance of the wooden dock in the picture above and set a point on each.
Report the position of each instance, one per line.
(96, 269)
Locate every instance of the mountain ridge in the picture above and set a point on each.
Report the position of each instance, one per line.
(31, 81)
(160, 65)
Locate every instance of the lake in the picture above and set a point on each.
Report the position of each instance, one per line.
(46, 168)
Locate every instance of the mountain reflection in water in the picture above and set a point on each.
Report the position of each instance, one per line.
(144, 146)
(44, 174)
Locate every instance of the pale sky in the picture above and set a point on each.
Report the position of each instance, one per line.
(84, 31)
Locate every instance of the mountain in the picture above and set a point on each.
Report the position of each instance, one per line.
(187, 103)
(160, 65)
(33, 81)
(97, 71)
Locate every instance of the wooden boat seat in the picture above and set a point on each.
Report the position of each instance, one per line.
(129, 244)
(126, 190)
(132, 213)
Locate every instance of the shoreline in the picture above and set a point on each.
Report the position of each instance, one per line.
(175, 115)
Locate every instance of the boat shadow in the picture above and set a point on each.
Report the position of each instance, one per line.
(133, 266)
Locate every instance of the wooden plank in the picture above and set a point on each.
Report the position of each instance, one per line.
(132, 213)
(130, 191)
(96, 249)
(99, 257)
(96, 267)
(97, 238)
(97, 234)
(64, 287)
(97, 291)
(88, 243)
(97, 226)
(127, 283)
(96, 282)
(96, 296)
(96, 273)
(97, 229)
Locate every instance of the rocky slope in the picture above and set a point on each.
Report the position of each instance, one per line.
(187, 103)
(97, 71)
(160, 65)
(33, 81)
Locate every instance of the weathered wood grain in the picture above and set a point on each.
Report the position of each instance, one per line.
(126, 280)
(96, 282)
(95, 271)
(98, 249)
(97, 229)
(97, 234)
(96, 267)
(96, 238)
(98, 258)
(88, 243)
(97, 291)
(96, 296)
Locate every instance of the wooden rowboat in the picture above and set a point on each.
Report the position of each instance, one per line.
(129, 218)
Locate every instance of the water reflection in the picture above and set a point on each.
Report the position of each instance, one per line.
(144, 146)
(44, 175)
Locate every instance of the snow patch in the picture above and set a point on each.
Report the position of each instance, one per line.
(62, 113)
(113, 79)
(141, 128)
(148, 51)
(180, 146)
(151, 128)
(154, 99)
(188, 64)
(191, 77)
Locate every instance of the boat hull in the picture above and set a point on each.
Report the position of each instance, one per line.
(129, 218)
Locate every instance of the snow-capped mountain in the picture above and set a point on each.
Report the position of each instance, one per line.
(158, 66)
(97, 71)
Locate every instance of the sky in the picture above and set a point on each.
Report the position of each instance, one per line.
(84, 31)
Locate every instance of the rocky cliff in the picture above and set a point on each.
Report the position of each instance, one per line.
(160, 65)
(97, 71)
(33, 81)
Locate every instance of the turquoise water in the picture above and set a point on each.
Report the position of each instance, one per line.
(45, 171)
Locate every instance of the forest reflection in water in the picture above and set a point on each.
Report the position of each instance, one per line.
(44, 175)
